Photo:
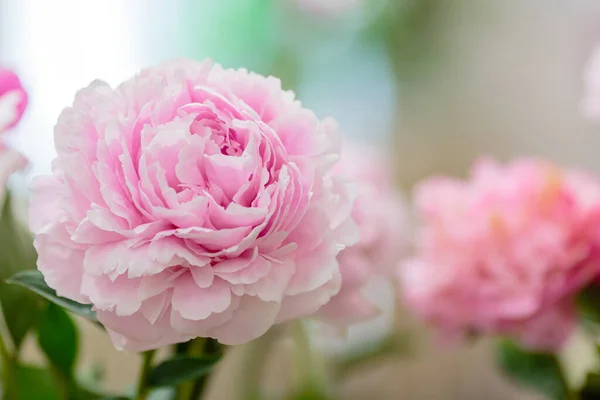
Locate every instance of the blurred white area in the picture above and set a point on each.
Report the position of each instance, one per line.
(60, 46)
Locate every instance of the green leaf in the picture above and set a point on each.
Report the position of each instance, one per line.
(34, 281)
(16, 244)
(36, 383)
(16, 254)
(591, 389)
(538, 371)
(14, 300)
(58, 339)
(588, 302)
(180, 369)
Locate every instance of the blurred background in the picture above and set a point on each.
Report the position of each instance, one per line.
(437, 83)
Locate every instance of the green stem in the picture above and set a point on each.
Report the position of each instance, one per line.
(569, 393)
(142, 386)
(253, 362)
(8, 379)
(302, 352)
(186, 390)
(310, 372)
(7, 361)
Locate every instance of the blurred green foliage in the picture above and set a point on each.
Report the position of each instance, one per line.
(235, 33)
(539, 371)
(59, 340)
(276, 37)
(16, 254)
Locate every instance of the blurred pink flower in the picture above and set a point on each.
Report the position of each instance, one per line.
(13, 99)
(505, 252)
(379, 211)
(192, 201)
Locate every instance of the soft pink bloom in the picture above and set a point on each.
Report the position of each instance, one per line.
(13, 99)
(505, 252)
(192, 201)
(380, 214)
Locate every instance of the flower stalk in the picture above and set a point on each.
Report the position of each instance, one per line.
(190, 389)
(310, 374)
(142, 386)
(7, 376)
(256, 354)
(7, 361)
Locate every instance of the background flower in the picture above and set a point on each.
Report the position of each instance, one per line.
(504, 252)
(13, 99)
(380, 214)
(203, 209)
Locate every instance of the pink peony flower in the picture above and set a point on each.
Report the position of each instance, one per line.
(380, 215)
(13, 99)
(192, 201)
(505, 252)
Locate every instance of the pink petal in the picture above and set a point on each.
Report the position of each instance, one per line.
(252, 319)
(195, 303)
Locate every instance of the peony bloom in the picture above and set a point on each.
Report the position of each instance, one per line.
(192, 201)
(13, 99)
(505, 252)
(379, 213)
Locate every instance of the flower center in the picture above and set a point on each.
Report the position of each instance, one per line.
(222, 137)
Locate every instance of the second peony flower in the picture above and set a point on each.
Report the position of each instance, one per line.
(506, 252)
(192, 200)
